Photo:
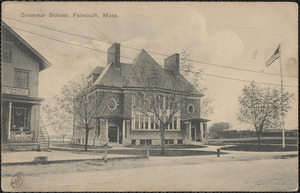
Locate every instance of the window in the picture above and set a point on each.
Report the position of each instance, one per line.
(169, 141)
(145, 141)
(142, 142)
(82, 141)
(175, 123)
(133, 142)
(179, 141)
(137, 121)
(20, 119)
(152, 122)
(146, 122)
(149, 142)
(112, 104)
(190, 108)
(156, 126)
(6, 52)
(142, 121)
(21, 79)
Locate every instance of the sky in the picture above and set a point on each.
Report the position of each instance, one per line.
(235, 35)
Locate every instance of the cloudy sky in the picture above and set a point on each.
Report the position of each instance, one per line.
(236, 35)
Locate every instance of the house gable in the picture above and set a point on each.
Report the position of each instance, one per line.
(11, 35)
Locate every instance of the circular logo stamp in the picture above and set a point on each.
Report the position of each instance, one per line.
(17, 180)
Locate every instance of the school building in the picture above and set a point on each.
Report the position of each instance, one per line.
(119, 122)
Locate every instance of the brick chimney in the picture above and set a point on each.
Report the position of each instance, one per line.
(113, 55)
(172, 63)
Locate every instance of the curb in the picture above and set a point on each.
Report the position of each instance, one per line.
(68, 161)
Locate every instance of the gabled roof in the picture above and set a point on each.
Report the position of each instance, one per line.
(144, 68)
(43, 62)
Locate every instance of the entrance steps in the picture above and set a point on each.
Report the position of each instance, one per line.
(44, 138)
(111, 144)
(197, 143)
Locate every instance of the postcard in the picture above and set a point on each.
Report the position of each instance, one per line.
(149, 96)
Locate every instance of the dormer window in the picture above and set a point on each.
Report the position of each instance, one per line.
(6, 52)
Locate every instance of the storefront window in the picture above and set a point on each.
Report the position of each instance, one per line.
(20, 119)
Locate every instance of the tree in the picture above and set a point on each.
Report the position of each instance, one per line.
(57, 118)
(150, 101)
(59, 112)
(262, 107)
(77, 103)
(86, 107)
(217, 129)
(193, 75)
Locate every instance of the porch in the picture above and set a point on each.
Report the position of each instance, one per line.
(20, 122)
(195, 130)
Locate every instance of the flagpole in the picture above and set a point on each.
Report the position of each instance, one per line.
(282, 117)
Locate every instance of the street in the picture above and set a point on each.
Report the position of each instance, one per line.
(161, 175)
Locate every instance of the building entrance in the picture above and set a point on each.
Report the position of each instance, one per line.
(193, 134)
(113, 134)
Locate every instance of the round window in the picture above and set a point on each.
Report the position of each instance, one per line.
(112, 104)
(190, 108)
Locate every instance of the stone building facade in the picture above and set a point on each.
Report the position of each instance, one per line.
(119, 122)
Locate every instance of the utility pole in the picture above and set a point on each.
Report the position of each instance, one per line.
(282, 116)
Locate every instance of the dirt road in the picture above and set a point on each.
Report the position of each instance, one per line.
(251, 175)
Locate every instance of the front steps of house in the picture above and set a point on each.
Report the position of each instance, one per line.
(44, 138)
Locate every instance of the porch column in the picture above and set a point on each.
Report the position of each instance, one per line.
(38, 123)
(123, 129)
(201, 131)
(106, 128)
(118, 134)
(204, 130)
(9, 120)
(190, 130)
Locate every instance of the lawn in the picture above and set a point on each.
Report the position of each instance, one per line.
(261, 148)
(244, 141)
(293, 141)
(76, 146)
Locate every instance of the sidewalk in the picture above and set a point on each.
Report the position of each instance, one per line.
(27, 158)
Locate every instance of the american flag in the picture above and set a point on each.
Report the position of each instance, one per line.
(274, 57)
